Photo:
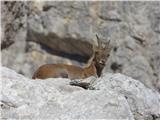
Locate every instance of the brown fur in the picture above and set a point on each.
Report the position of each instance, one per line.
(64, 71)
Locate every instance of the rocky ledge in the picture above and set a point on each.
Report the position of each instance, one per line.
(113, 96)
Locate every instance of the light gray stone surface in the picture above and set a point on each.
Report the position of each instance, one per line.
(23, 98)
(143, 101)
(115, 97)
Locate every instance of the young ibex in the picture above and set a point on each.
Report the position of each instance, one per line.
(94, 66)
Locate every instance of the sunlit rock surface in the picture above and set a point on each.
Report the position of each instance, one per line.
(114, 96)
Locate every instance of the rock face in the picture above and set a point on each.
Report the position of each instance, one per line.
(14, 21)
(139, 98)
(115, 97)
(63, 32)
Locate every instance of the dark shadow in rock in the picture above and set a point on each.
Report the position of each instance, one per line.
(115, 66)
(6, 44)
(115, 49)
(139, 40)
(70, 48)
(84, 85)
(76, 57)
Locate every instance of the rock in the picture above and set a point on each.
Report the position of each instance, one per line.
(86, 84)
(14, 21)
(110, 11)
(67, 30)
(115, 96)
(23, 98)
(144, 103)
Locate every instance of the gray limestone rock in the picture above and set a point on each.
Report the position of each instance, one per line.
(144, 102)
(23, 98)
(67, 30)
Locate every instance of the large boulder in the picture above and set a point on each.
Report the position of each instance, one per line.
(114, 97)
(24, 98)
(143, 102)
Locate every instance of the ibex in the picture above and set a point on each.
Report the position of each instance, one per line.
(94, 66)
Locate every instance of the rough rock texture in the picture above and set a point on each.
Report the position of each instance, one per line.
(115, 97)
(139, 98)
(66, 29)
(14, 23)
(49, 99)
(13, 20)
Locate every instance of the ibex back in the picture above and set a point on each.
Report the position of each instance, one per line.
(94, 66)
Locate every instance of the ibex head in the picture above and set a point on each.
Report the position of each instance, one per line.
(101, 54)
